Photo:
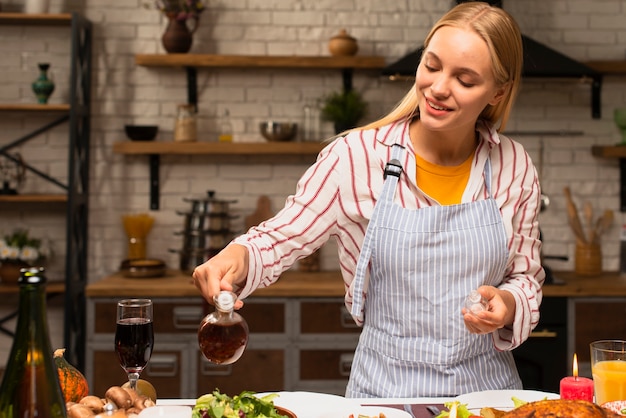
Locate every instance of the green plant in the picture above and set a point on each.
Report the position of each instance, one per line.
(345, 108)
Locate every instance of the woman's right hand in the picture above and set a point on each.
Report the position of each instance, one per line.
(222, 272)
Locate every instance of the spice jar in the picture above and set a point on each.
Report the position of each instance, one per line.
(186, 127)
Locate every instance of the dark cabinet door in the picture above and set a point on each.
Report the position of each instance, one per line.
(542, 359)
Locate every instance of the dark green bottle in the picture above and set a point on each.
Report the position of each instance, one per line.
(30, 387)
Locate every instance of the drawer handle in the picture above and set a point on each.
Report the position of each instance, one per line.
(345, 364)
(209, 369)
(346, 318)
(544, 333)
(187, 317)
(162, 365)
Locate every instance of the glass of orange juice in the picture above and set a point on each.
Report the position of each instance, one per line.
(608, 367)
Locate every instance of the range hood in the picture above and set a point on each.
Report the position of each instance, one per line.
(540, 61)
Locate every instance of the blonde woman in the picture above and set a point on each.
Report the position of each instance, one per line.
(426, 205)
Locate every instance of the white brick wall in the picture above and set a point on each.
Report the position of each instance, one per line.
(124, 93)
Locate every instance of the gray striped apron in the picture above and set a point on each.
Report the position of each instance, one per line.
(422, 265)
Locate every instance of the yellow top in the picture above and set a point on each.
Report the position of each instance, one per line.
(445, 184)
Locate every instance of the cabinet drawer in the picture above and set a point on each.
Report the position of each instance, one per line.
(326, 318)
(324, 364)
(175, 318)
(164, 371)
(258, 370)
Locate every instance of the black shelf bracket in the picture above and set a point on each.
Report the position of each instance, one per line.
(622, 184)
(346, 75)
(596, 89)
(154, 181)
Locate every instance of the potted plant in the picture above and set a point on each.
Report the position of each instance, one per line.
(344, 108)
(18, 250)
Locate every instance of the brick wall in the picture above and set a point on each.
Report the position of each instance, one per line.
(124, 93)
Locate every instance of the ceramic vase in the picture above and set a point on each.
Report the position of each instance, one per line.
(43, 86)
(177, 37)
(343, 44)
(10, 271)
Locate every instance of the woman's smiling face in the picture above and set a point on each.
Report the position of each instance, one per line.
(454, 80)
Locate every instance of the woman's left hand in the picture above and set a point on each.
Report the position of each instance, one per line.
(500, 311)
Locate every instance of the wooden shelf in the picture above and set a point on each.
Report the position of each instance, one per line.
(44, 19)
(33, 107)
(258, 61)
(611, 151)
(34, 198)
(51, 288)
(608, 67)
(217, 148)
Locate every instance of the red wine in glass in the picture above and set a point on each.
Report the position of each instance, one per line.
(134, 336)
(134, 339)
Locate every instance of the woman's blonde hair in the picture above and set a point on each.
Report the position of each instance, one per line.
(504, 41)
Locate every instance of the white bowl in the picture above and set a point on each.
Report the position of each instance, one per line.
(166, 411)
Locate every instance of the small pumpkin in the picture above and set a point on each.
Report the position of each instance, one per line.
(73, 383)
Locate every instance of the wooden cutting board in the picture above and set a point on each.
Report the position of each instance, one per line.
(263, 212)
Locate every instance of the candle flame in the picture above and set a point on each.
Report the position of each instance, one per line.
(575, 366)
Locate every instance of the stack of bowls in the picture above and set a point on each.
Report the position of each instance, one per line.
(206, 230)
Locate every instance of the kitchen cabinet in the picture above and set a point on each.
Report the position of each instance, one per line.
(75, 190)
(276, 152)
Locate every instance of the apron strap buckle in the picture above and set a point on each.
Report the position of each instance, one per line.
(393, 168)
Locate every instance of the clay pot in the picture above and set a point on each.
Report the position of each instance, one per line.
(10, 271)
(343, 44)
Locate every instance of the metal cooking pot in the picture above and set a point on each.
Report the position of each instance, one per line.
(197, 221)
(209, 205)
(204, 240)
(190, 259)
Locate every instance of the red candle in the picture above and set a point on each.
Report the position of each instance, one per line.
(575, 387)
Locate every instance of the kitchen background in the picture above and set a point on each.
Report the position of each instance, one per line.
(552, 117)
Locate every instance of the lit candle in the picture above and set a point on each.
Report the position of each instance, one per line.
(575, 387)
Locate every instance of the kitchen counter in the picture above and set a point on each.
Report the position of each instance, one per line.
(329, 284)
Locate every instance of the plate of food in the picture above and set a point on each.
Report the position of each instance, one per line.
(367, 412)
(312, 404)
(504, 400)
(246, 404)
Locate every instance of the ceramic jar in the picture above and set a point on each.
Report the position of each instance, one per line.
(186, 127)
(36, 6)
(343, 44)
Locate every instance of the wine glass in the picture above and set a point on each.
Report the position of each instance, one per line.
(134, 336)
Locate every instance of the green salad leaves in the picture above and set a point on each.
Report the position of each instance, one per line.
(244, 405)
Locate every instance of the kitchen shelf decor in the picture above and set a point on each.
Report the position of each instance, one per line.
(75, 189)
(191, 62)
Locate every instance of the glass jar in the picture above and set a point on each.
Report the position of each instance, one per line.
(223, 334)
(186, 127)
